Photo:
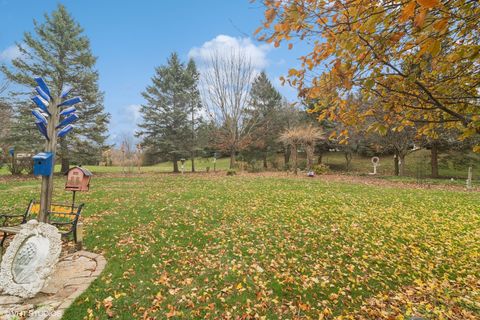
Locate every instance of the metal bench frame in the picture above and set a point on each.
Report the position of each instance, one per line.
(10, 229)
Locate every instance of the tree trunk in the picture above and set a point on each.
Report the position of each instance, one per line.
(193, 161)
(310, 155)
(434, 160)
(193, 138)
(286, 155)
(348, 159)
(175, 164)
(295, 159)
(232, 159)
(402, 165)
(64, 153)
(320, 156)
(265, 164)
(395, 163)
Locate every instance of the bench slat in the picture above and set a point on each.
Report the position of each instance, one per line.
(15, 229)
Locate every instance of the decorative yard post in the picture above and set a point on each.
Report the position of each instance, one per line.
(183, 165)
(375, 163)
(11, 151)
(214, 162)
(48, 115)
(469, 179)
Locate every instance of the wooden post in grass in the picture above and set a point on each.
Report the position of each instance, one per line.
(50, 125)
(50, 146)
(469, 179)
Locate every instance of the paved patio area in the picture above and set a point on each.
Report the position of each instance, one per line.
(72, 277)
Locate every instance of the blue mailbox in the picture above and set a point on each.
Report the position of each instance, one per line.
(43, 164)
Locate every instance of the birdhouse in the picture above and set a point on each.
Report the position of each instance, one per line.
(78, 179)
(43, 164)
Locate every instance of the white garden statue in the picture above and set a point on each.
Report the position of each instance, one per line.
(30, 259)
(375, 163)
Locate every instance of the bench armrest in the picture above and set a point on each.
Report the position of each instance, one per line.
(5, 218)
(10, 215)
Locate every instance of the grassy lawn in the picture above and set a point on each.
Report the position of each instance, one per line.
(416, 162)
(198, 246)
(200, 165)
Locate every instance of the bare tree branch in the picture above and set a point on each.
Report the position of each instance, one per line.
(226, 85)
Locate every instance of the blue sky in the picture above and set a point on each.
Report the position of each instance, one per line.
(131, 38)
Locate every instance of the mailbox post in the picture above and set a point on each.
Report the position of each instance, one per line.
(78, 179)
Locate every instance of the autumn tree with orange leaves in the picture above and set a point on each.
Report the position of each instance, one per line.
(418, 59)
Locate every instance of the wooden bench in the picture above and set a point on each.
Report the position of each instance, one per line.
(63, 216)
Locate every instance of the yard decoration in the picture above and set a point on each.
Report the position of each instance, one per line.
(214, 162)
(469, 178)
(375, 163)
(53, 122)
(30, 259)
(183, 165)
(78, 179)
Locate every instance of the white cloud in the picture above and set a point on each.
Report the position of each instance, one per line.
(133, 111)
(10, 53)
(226, 44)
(124, 123)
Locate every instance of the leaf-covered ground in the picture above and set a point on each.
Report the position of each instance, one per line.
(246, 247)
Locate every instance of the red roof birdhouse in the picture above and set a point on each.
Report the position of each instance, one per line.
(78, 179)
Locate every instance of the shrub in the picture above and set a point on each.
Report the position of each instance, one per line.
(302, 165)
(254, 166)
(320, 169)
(275, 164)
(21, 165)
(231, 172)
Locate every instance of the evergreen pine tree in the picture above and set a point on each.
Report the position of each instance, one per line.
(266, 102)
(166, 128)
(23, 134)
(60, 53)
(5, 121)
(5, 127)
(195, 104)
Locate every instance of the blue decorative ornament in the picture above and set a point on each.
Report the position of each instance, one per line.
(70, 102)
(41, 83)
(42, 128)
(41, 103)
(42, 93)
(67, 111)
(63, 132)
(42, 114)
(68, 120)
(66, 90)
(40, 117)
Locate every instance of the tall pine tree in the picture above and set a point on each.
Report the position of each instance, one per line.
(266, 102)
(195, 105)
(166, 127)
(59, 52)
(5, 127)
